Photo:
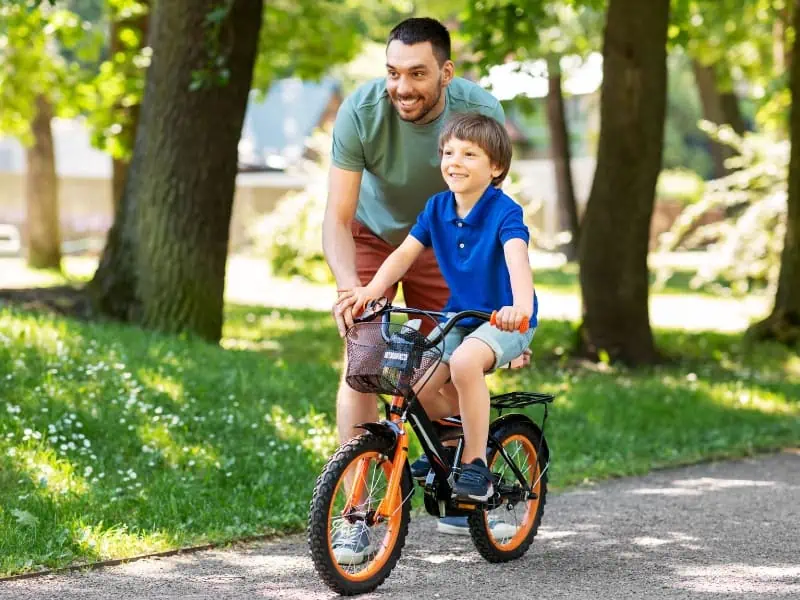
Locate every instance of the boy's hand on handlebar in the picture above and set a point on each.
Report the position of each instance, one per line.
(512, 318)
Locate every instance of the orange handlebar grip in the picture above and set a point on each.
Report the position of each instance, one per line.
(523, 326)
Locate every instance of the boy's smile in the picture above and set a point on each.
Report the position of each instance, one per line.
(467, 170)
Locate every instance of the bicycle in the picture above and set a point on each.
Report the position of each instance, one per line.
(367, 483)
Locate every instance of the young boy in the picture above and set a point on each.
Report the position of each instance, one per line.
(481, 245)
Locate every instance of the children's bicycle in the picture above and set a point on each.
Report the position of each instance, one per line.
(361, 506)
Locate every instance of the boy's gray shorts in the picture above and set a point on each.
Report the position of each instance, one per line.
(506, 345)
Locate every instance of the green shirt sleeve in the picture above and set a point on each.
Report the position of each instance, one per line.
(347, 151)
(498, 114)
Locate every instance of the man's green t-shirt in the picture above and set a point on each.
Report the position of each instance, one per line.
(399, 160)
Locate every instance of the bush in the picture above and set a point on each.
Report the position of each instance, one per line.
(750, 239)
(291, 236)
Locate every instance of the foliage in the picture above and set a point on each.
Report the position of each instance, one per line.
(679, 185)
(31, 64)
(685, 146)
(750, 240)
(116, 442)
(739, 36)
(289, 236)
(119, 82)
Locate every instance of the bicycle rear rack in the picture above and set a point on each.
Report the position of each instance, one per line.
(519, 399)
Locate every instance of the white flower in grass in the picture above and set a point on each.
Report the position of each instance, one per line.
(12, 452)
(88, 471)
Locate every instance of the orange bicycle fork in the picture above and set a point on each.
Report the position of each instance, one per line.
(395, 426)
(392, 500)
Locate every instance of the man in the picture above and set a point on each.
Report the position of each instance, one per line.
(385, 166)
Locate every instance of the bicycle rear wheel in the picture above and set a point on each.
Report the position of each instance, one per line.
(371, 549)
(507, 531)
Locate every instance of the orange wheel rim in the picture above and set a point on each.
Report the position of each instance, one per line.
(530, 468)
(372, 566)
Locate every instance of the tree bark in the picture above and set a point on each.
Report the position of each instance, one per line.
(731, 111)
(561, 155)
(616, 226)
(164, 263)
(120, 166)
(41, 192)
(783, 324)
(713, 110)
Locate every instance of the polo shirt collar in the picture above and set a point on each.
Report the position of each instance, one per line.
(478, 211)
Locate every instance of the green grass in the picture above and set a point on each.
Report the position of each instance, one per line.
(564, 279)
(116, 442)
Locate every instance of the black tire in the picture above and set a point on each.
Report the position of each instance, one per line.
(323, 517)
(490, 545)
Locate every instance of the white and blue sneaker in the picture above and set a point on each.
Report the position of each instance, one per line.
(353, 544)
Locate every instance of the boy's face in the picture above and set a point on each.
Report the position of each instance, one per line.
(466, 167)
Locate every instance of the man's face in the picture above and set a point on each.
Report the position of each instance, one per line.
(415, 81)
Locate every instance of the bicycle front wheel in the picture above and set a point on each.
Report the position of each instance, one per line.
(352, 551)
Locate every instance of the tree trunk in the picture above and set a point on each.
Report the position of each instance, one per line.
(712, 103)
(41, 192)
(783, 324)
(120, 166)
(561, 155)
(616, 226)
(164, 263)
(731, 111)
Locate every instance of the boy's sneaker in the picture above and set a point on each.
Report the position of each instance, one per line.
(453, 526)
(353, 544)
(421, 466)
(475, 482)
(458, 526)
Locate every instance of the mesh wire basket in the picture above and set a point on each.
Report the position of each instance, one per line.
(394, 367)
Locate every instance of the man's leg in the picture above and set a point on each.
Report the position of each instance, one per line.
(354, 407)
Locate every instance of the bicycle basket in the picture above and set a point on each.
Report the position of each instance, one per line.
(393, 367)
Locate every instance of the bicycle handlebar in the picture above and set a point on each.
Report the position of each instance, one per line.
(383, 308)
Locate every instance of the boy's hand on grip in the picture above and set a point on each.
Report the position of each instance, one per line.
(511, 318)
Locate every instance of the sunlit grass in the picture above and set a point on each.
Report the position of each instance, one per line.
(115, 442)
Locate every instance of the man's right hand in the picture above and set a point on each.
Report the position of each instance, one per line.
(343, 314)
(351, 303)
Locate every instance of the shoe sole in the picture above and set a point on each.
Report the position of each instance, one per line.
(354, 559)
(451, 529)
(468, 497)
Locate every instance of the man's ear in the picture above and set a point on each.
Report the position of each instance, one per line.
(448, 72)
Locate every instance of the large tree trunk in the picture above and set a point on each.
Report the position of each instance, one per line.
(712, 102)
(783, 324)
(559, 145)
(164, 263)
(120, 166)
(41, 193)
(616, 226)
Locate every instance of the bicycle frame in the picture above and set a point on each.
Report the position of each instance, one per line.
(408, 408)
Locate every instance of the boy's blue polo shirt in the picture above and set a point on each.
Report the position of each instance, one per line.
(470, 250)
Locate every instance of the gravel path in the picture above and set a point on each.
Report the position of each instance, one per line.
(712, 531)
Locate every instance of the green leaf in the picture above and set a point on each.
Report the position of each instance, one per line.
(24, 518)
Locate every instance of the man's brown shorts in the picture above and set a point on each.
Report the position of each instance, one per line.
(423, 285)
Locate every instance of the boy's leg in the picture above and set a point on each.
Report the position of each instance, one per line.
(468, 365)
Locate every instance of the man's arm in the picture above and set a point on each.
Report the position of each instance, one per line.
(337, 235)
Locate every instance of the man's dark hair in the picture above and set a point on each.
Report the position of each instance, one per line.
(417, 30)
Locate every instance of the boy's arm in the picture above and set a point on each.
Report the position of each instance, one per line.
(390, 272)
(516, 253)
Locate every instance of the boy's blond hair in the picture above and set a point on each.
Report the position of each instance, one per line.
(484, 132)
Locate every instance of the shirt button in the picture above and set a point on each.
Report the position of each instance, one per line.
(460, 224)
(461, 245)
